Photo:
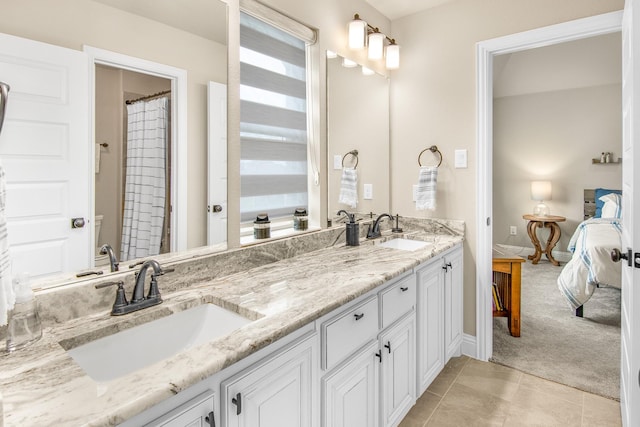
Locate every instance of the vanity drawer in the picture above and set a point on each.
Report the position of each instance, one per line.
(349, 331)
(397, 300)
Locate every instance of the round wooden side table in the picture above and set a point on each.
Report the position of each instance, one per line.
(550, 222)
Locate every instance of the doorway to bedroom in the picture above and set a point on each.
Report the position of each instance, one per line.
(556, 109)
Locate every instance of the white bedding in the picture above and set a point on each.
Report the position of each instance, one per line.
(591, 264)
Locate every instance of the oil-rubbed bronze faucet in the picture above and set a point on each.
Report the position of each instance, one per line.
(138, 300)
(106, 249)
(374, 230)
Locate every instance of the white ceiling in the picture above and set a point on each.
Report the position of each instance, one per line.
(394, 9)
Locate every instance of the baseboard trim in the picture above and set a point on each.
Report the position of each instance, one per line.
(469, 346)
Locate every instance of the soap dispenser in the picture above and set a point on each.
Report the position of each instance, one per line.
(353, 229)
(24, 325)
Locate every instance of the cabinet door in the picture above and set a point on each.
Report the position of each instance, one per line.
(398, 375)
(277, 393)
(197, 412)
(350, 392)
(453, 303)
(430, 324)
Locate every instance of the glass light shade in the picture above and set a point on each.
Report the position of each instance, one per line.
(393, 57)
(367, 71)
(347, 63)
(357, 33)
(376, 46)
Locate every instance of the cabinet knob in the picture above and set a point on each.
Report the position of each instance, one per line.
(358, 316)
(388, 346)
(404, 289)
(379, 356)
(238, 402)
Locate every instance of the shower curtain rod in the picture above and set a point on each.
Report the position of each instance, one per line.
(145, 98)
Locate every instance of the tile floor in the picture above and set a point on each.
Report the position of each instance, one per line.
(469, 392)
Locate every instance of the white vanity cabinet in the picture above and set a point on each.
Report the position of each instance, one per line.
(453, 317)
(198, 412)
(374, 382)
(439, 314)
(278, 391)
(398, 367)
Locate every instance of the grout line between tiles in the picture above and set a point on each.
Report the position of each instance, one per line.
(445, 393)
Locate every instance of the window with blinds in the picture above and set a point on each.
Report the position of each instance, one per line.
(273, 121)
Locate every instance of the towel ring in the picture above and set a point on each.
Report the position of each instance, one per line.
(434, 150)
(354, 153)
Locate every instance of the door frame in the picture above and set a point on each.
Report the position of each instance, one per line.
(178, 78)
(485, 51)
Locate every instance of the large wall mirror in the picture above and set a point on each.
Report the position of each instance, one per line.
(189, 35)
(357, 120)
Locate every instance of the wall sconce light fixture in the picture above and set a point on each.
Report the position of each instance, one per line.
(362, 34)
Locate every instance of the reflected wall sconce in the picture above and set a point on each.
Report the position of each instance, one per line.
(362, 34)
(541, 191)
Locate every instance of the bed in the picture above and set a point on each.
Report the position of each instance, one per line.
(591, 266)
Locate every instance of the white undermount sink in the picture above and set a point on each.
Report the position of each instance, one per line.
(405, 244)
(116, 355)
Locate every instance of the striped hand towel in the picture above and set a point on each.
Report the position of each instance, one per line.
(426, 191)
(7, 295)
(349, 187)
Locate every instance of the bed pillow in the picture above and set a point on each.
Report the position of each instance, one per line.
(612, 205)
(599, 203)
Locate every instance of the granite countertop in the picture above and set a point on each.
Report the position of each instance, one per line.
(42, 385)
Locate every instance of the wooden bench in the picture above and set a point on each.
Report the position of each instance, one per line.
(507, 275)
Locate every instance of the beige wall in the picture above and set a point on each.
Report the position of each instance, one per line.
(72, 23)
(553, 136)
(433, 100)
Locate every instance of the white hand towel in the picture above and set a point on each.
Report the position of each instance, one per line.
(349, 187)
(426, 191)
(7, 295)
(98, 153)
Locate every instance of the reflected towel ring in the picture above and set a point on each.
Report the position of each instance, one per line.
(354, 153)
(434, 150)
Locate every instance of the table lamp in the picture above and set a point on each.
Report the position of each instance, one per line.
(541, 191)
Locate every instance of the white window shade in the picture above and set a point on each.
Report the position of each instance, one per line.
(273, 120)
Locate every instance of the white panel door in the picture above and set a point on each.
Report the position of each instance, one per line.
(351, 391)
(278, 393)
(630, 351)
(398, 375)
(430, 324)
(217, 182)
(45, 150)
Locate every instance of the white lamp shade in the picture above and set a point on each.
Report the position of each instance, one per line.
(357, 34)
(540, 190)
(376, 46)
(393, 57)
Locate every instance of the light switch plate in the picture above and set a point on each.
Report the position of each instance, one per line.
(368, 192)
(337, 161)
(460, 159)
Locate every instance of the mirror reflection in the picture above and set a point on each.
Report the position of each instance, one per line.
(358, 138)
(189, 36)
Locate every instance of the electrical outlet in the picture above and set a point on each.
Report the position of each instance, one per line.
(513, 230)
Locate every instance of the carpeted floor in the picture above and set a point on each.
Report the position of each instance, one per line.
(554, 344)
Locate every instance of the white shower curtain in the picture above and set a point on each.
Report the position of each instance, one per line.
(144, 200)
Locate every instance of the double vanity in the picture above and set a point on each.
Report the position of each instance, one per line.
(303, 331)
